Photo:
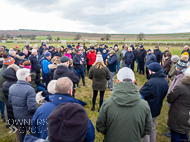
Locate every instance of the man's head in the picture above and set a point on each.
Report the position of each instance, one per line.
(73, 50)
(45, 50)
(104, 51)
(12, 52)
(21, 54)
(78, 52)
(95, 47)
(2, 48)
(125, 75)
(100, 46)
(92, 49)
(34, 52)
(64, 60)
(47, 55)
(156, 47)
(154, 67)
(130, 49)
(116, 48)
(24, 75)
(25, 51)
(64, 86)
(43, 45)
(50, 48)
(149, 51)
(68, 122)
(167, 48)
(141, 47)
(58, 55)
(186, 47)
(35, 46)
(111, 53)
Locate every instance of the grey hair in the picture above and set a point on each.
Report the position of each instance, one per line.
(11, 51)
(35, 45)
(34, 50)
(187, 72)
(63, 85)
(186, 46)
(22, 74)
(25, 50)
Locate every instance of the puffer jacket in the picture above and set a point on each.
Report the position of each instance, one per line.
(167, 64)
(91, 56)
(23, 101)
(18, 59)
(129, 56)
(178, 119)
(52, 68)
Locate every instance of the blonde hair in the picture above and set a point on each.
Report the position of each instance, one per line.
(99, 65)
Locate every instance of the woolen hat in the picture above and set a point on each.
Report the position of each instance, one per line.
(99, 57)
(69, 46)
(21, 54)
(112, 52)
(125, 73)
(185, 58)
(181, 64)
(155, 67)
(68, 122)
(8, 61)
(64, 59)
(47, 54)
(175, 58)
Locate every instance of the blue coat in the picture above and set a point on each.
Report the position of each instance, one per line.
(129, 56)
(23, 101)
(40, 117)
(104, 56)
(112, 63)
(34, 62)
(45, 69)
(150, 58)
(154, 91)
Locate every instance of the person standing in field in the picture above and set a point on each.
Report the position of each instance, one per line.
(99, 74)
(91, 56)
(135, 52)
(164, 55)
(123, 52)
(186, 49)
(119, 56)
(158, 54)
(141, 58)
(129, 56)
(154, 92)
(168, 62)
(124, 117)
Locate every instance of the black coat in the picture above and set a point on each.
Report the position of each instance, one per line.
(141, 55)
(10, 76)
(158, 55)
(37, 72)
(34, 62)
(63, 71)
(76, 62)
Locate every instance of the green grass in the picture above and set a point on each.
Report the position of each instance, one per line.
(86, 93)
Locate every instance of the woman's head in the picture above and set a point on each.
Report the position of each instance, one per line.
(168, 54)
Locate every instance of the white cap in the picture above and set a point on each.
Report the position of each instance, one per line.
(125, 73)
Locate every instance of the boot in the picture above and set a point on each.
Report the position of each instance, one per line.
(78, 85)
(83, 81)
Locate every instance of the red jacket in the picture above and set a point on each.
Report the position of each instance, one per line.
(91, 57)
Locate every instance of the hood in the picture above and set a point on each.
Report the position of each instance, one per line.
(38, 68)
(185, 80)
(60, 69)
(160, 73)
(33, 76)
(19, 57)
(126, 94)
(10, 74)
(14, 66)
(52, 66)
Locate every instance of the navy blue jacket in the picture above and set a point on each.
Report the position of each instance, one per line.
(158, 55)
(101, 50)
(23, 101)
(129, 56)
(141, 55)
(76, 62)
(112, 63)
(154, 91)
(104, 56)
(34, 62)
(39, 121)
(150, 58)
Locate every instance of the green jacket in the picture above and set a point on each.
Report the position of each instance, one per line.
(2, 80)
(119, 55)
(172, 70)
(124, 117)
(33, 77)
(99, 78)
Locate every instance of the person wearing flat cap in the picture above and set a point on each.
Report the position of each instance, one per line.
(124, 116)
(45, 69)
(154, 92)
(171, 73)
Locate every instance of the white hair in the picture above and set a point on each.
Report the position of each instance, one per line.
(30, 45)
(130, 49)
(11, 51)
(35, 46)
(22, 74)
(187, 72)
(34, 50)
(25, 50)
(186, 46)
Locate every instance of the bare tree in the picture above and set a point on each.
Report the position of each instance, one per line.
(77, 37)
(102, 38)
(49, 37)
(107, 36)
(140, 36)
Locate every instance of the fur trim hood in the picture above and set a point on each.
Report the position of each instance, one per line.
(52, 66)
(185, 80)
(14, 66)
(19, 57)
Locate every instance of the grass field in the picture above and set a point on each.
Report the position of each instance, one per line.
(85, 94)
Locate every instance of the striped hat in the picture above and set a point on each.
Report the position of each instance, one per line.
(8, 61)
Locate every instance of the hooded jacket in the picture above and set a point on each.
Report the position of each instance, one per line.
(37, 72)
(10, 75)
(124, 116)
(34, 62)
(39, 120)
(91, 56)
(158, 55)
(45, 69)
(154, 91)
(178, 119)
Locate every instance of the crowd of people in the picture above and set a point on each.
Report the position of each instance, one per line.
(38, 85)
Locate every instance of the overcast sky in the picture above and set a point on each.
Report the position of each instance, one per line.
(97, 16)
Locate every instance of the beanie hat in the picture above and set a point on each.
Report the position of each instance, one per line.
(47, 54)
(185, 53)
(181, 64)
(112, 52)
(69, 46)
(51, 86)
(21, 54)
(175, 58)
(125, 73)
(8, 60)
(68, 122)
(155, 67)
(185, 58)
(16, 46)
(99, 57)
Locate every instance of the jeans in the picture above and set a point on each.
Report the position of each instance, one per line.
(128, 65)
(118, 66)
(152, 136)
(80, 73)
(176, 137)
(110, 81)
(2, 107)
(141, 65)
